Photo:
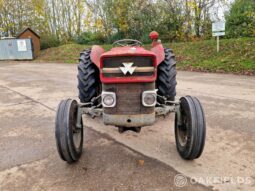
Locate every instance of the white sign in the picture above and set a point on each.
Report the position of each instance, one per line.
(218, 29)
(218, 26)
(22, 45)
(218, 34)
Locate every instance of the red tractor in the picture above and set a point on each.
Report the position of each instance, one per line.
(129, 86)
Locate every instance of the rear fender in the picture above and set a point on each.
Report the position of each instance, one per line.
(96, 52)
(158, 49)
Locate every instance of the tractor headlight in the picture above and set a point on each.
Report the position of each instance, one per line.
(149, 98)
(108, 99)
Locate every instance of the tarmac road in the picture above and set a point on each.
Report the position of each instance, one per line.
(30, 93)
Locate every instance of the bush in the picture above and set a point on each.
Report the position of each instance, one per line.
(241, 19)
(145, 39)
(114, 37)
(90, 38)
(49, 41)
(118, 36)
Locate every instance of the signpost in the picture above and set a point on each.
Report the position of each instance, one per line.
(218, 29)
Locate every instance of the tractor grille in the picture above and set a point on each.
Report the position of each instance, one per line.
(143, 66)
(129, 98)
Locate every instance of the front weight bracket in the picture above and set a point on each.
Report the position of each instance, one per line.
(92, 111)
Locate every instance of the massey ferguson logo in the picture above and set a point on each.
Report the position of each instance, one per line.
(127, 68)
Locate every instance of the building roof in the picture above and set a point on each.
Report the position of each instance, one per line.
(27, 30)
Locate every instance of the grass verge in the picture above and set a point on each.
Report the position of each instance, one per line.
(235, 56)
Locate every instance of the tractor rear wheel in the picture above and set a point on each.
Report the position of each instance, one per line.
(89, 84)
(69, 138)
(190, 128)
(166, 80)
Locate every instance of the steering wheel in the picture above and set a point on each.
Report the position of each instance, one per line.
(127, 42)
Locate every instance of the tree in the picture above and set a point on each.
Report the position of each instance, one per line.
(108, 20)
(15, 15)
(240, 21)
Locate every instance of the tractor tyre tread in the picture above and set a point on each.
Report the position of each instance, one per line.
(88, 77)
(166, 80)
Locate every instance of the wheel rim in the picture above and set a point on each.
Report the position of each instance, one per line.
(77, 138)
(182, 131)
(76, 132)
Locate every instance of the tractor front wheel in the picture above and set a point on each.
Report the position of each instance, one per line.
(190, 128)
(69, 138)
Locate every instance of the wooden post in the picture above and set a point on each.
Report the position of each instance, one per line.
(218, 43)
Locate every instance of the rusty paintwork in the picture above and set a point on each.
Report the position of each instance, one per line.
(157, 53)
(144, 66)
(128, 51)
(96, 52)
(129, 120)
(129, 98)
(158, 50)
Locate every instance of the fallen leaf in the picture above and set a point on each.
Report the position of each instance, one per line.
(141, 162)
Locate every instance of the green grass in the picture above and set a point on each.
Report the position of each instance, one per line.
(235, 56)
(68, 53)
